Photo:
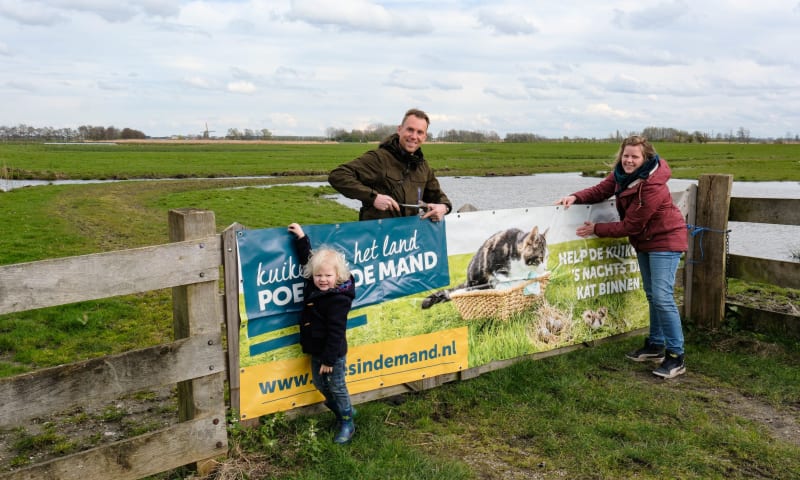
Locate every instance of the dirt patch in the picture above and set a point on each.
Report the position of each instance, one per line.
(782, 423)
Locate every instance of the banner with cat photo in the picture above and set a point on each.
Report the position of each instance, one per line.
(514, 282)
(523, 282)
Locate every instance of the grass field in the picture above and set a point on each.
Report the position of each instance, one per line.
(180, 160)
(587, 414)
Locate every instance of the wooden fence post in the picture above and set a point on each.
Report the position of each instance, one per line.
(232, 322)
(196, 310)
(709, 247)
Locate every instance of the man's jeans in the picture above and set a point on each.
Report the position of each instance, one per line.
(332, 385)
(658, 276)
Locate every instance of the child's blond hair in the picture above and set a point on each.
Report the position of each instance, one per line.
(327, 256)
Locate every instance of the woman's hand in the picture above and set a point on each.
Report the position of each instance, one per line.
(566, 201)
(585, 230)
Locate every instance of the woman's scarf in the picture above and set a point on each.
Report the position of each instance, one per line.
(624, 180)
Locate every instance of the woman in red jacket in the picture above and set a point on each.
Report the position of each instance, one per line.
(657, 230)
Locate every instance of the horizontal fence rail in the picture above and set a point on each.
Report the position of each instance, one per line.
(28, 286)
(194, 360)
(760, 270)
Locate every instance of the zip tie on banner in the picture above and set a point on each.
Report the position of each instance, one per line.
(695, 230)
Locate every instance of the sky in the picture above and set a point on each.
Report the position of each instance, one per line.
(566, 68)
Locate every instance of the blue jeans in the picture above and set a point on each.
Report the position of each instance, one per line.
(658, 276)
(332, 385)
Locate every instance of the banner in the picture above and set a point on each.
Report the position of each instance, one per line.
(389, 259)
(436, 298)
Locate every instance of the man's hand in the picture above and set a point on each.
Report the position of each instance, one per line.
(385, 202)
(436, 211)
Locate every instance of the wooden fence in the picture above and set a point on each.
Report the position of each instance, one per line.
(195, 359)
(706, 304)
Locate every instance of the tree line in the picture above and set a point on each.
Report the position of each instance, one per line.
(27, 133)
(373, 133)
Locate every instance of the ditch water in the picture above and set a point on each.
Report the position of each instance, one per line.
(777, 242)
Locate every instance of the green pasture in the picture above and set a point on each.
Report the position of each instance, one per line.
(186, 160)
(587, 414)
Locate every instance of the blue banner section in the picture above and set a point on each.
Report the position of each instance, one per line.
(388, 258)
(291, 339)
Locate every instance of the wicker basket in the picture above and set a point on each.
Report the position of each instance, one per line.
(500, 304)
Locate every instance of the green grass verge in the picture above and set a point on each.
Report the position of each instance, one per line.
(586, 414)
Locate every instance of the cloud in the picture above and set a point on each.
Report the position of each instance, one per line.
(526, 66)
(506, 22)
(604, 110)
(110, 86)
(30, 13)
(17, 85)
(443, 85)
(402, 79)
(48, 13)
(635, 55)
(199, 82)
(505, 94)
(656, 17)
(242, 87)
(623, 83)
(358, 16)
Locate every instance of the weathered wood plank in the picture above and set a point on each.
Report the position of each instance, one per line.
(97, 381)
(763, 321)
(708, 272)
(138, 457)
(763, 270)
(230, 258)
(688, 206)
(782, 211)
(196, 310)
(47, 283)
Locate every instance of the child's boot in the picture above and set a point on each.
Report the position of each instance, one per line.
(332, 407)
(346, 428)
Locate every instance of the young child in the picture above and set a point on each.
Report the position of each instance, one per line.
(328, 294)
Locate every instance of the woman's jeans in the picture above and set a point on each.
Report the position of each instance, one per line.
(332, 385)
(658, 275)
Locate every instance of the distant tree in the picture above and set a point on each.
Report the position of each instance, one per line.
(129, 133)
(743, 135)
(523, 138)
(265, 133)
(468, 136)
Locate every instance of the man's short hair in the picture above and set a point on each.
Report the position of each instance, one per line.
(417, 113)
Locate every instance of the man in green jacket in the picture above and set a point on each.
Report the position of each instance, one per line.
(394, 180)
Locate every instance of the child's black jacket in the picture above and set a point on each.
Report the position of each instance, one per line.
(323, 322)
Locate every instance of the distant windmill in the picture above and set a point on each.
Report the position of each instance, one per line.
(207, 131)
